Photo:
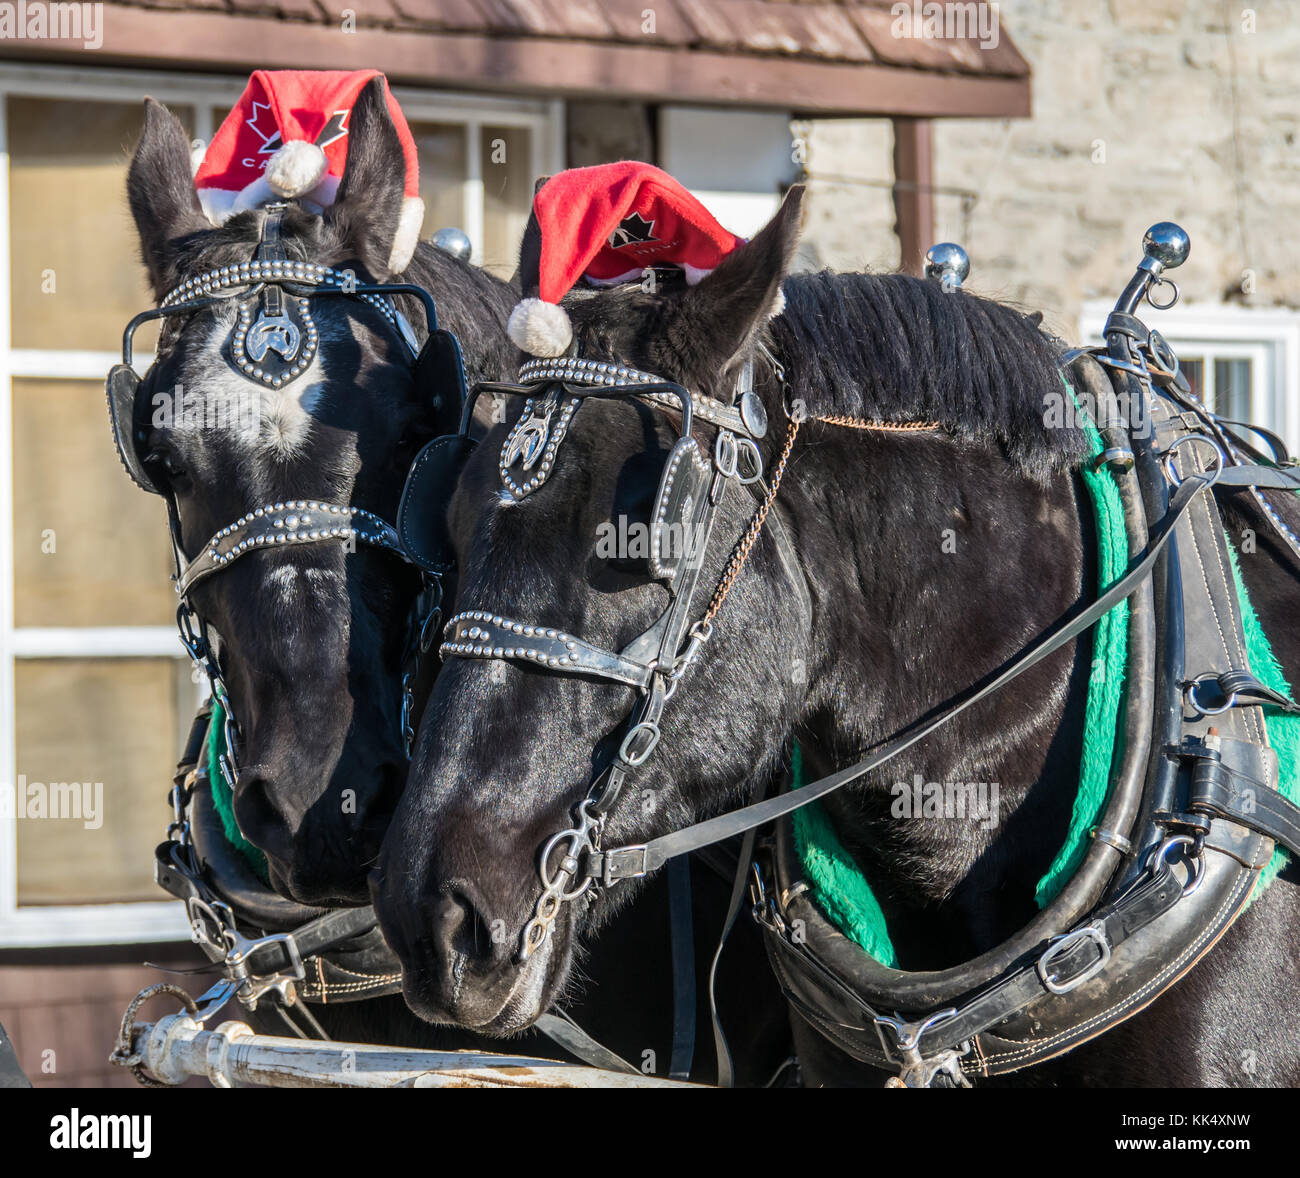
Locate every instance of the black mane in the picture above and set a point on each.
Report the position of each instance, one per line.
(895, 348)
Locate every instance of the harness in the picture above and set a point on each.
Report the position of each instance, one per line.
(274, 341)
(1193, 810)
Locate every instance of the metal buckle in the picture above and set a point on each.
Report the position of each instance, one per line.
(631, 757)
(914, 1069)
(624, 863)
(1095, 932)
(252, 986)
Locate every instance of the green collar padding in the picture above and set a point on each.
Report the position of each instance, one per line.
(836, 882)
(223, 799)
(1282, 727)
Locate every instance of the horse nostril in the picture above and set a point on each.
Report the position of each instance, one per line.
(259, 820)
(463, 928)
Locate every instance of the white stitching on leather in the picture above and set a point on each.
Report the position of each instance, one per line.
(1031, 1046)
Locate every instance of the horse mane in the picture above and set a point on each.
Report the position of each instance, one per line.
(895, 348)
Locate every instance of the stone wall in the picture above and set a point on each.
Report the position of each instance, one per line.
(1134, 113)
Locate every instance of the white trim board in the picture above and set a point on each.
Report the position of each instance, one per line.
(1268, 335)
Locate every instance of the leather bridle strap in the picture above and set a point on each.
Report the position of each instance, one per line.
(295, 521)
(634, 861)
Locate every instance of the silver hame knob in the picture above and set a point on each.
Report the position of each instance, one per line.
(453, 241)
(1167, 245)
(949, 263)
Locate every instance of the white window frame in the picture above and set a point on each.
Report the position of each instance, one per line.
(1267, 336)
(94, 924)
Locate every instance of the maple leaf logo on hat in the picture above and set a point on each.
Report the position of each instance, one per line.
(605, 225)
(287, 139)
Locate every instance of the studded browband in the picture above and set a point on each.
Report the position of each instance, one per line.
(747, 417)
(224, 280)
(295, 521)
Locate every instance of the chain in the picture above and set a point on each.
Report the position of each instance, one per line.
(889, 427)
(740, 553)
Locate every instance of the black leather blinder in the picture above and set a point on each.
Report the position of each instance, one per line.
(422, 514)
(128, 411)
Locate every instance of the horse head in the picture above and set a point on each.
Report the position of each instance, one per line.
(308, 410)
(510, 749)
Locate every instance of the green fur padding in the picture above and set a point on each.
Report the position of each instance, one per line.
(834, 878)
(1283, 729)
(223, 798)
(838, 886)
(1109, 665)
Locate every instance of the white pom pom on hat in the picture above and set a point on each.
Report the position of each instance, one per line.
(296, 169)
(540, 328)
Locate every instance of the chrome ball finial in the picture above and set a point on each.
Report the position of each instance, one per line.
(453, 241)
(949, 263)
(1167, 245)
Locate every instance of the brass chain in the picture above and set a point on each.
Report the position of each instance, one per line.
(740, 553)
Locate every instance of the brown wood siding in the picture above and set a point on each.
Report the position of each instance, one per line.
(63, 1009)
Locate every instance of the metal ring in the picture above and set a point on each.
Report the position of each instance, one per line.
(1111, 839)
(1117, 456)
(1171, 471)
(726, 454)
(1189, 693)
(429, 630)
(1161, 854)
(544, 871)
(747, 446)
(1159, 282)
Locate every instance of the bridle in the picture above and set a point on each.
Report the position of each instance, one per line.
(1021, 974)
(274, 341)
(280, 290)
(690, 493)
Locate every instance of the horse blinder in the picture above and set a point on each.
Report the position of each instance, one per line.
(128, 411)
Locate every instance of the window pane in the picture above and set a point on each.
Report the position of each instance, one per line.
(1232, 379)
(507, 194)
(74, 254)
(1194, 370)
(444, 167)
(113, 728)
(90, 548)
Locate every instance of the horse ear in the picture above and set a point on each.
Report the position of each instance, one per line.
(375, 220)
(161, 193)
(721, 313)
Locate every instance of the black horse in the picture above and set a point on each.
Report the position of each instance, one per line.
(312, 637)
(926, 560)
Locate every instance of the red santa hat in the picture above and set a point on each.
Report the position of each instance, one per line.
(287, 139)
(606, 224)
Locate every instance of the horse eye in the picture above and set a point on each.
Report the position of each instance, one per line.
(167, 460)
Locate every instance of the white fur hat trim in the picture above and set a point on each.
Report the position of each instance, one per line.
(296, 169)
(540, 328)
